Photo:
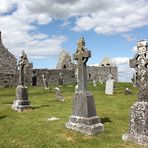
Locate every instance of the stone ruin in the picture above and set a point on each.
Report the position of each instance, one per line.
(8, 67)
(84, 118)
(138, 126)
(65, 61)
(9, 70)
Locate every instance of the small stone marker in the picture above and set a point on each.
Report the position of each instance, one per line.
(109, 85)
(45, 82)
(138, 126)
(61, 79)
(58, 94)
(53, 119)
(127, 91)
(94, 82)
(21, 102)
(84, 118)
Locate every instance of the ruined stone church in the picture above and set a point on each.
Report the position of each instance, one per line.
(65, 66)
(8, 67)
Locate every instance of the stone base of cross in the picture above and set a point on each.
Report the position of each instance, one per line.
(21, 103)
(138, 127)
(84, 118)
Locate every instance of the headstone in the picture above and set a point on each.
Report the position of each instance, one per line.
(94, 82)
(45, 82)
(21, 102)
(84, 118)
(138, 126)
(109, 87)
(127, 91)
(58, 94)
(60, 79)
(134, 80)
(101, 79)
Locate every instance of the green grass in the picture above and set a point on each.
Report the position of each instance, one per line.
(32, 129)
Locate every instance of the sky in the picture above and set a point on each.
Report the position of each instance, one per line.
(43, 28)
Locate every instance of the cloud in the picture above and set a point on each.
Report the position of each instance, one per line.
(20, 20)
(125, 73)
(114, 17)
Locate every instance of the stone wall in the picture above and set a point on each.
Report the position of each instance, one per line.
(52, 75)
(8, 80)
(8, 62)
(101, 73)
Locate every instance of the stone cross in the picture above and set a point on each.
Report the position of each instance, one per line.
(140, 63)
(23, 63)
(81, 56)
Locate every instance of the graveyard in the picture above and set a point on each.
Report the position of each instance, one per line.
(32, 128)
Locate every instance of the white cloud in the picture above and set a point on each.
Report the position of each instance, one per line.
(125, 73)
(102, 16)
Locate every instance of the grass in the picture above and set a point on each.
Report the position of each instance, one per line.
(32, 129)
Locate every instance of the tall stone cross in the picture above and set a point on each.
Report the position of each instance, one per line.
(140, 63)
(23, 63)
(81, 56)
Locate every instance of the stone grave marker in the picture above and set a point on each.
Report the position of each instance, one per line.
(61, 79)
(58, 94)
(94, 82)
(138, 126)
(21, 102)
(45, 82)
(109, 87)
(84, 118)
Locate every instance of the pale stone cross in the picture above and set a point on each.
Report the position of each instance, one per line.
(23, 63)
(140, 63)
(81, 56)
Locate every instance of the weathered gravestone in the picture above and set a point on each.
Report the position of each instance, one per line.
(84, 118)
(134, 80)
(45, 82)
(109, 87)
(94, 82)
(58, 94)
(21, 102)
(138, 126)
(61, 79)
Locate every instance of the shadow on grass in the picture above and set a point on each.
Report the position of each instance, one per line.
(3, 116)
(40, 106)
(7, 102)
(105, 119)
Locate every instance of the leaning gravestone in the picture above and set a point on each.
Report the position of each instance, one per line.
(45, 82)
(21, 102)
(58, 94)
(109, 85)
(138, 126)
(84, 118)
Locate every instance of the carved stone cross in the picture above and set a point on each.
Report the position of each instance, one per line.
(23, 63)
(81, 56)
(140, 63)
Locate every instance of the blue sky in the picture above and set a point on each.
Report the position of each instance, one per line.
(44, 28)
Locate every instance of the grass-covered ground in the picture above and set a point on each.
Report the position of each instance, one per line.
(32, 129)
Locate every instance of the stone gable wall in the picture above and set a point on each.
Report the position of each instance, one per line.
(8, 62)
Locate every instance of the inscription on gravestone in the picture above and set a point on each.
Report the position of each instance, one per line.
(138, 126)
(84, 118)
